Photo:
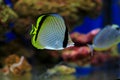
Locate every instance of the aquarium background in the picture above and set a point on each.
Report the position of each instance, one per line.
(84, 17)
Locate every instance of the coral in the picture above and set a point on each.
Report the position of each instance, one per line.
(100, 57)
(17, 21)
(25, 12)
(79, 55)
(73, 10)
(62, 71)
(19, 69)
(79, 38)
(7, 14)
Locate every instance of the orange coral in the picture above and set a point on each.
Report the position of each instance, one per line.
(20, 69)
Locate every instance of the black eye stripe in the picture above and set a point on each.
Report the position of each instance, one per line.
(40, 24)
(117, 28)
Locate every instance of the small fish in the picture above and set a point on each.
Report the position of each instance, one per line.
(106, 38)
(51, 33)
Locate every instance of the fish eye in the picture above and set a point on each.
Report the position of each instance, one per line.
(117, 28)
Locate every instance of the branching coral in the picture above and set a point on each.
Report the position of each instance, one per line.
(7, 14)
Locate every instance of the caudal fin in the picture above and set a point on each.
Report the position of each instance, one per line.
(91, 49)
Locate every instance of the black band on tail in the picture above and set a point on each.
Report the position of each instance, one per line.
(65, 42)
(40, 24)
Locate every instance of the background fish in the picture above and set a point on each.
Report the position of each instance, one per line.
(50, 32)
(106, 38)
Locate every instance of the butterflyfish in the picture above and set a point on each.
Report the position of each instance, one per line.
(51, 33)
(106, 38)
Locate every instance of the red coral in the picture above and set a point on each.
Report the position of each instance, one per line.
(99, 58)
(81, 39)
(75, 53)
(81, 53)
